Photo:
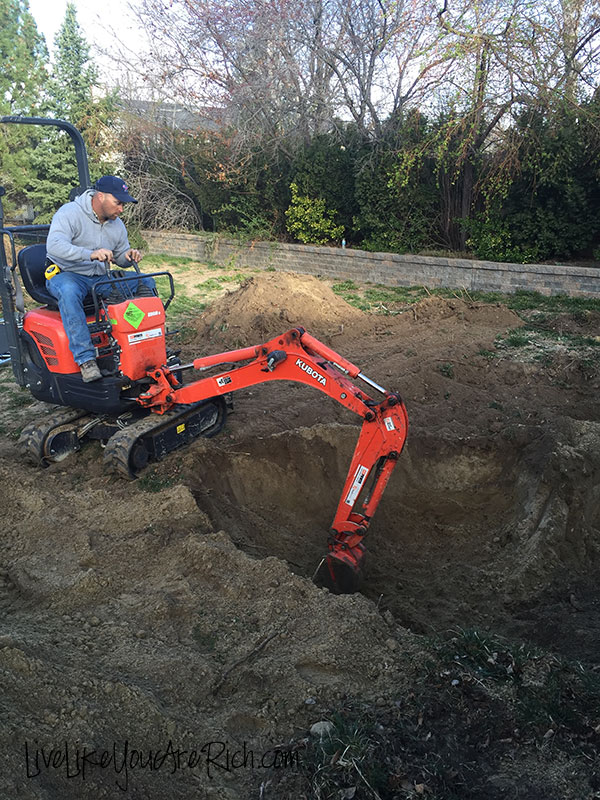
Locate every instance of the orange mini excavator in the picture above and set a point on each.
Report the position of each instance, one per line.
(142, 409)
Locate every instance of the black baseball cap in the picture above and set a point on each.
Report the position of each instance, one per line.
(115, 186)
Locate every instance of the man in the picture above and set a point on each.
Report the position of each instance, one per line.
(85, 236)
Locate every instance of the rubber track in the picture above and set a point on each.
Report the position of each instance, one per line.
(120, 445)
(32, 438)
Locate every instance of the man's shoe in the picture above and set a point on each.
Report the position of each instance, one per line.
(90, 371)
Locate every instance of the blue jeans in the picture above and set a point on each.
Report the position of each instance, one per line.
(70, 289)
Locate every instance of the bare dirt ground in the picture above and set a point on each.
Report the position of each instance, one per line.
(170, 624)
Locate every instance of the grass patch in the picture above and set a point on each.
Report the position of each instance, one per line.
(485, 655)
(533, 332)
(182, 332)
(524, 300)
(357, 301)
(344, 286)
(395, 294)
(158, 259)
(515, 338)
(378, 295)
(152, 481)
(570, 339)
(21, 399)
(348, 755)
(183, 305)
(544, 359)
(480, 703)
(554, 698)
(211, 284)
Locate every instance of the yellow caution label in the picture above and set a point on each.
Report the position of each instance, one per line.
(181, 428)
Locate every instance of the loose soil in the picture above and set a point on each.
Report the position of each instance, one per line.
(179, 608)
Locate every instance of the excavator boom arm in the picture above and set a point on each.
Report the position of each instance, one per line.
(297, 356)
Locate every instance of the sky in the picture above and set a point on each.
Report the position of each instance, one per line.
(102, 24)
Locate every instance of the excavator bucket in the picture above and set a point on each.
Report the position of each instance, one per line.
(340, 571)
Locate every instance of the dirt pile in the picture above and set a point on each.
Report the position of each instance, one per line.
(269, 304)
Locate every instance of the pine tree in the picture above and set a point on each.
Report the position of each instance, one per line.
(75, 75)
(23, 76)
(23, 52)
(71, 97)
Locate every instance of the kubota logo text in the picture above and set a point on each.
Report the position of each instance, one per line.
(312, 372)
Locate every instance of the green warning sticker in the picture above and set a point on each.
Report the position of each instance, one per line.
(134, 315)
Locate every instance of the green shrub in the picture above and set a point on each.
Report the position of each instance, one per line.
(491, 240)
(309, 221)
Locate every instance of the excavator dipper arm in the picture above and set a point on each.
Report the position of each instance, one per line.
(298, 356)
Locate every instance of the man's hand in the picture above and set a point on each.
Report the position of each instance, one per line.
(134, 255)
(102, 255)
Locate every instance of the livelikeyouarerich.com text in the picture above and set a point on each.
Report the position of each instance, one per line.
(78, 762)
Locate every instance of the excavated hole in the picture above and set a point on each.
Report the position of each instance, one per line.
(467, 533)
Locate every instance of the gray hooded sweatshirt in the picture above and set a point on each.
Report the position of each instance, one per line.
(75, 232)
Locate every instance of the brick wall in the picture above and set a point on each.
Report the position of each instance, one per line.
(389, 269)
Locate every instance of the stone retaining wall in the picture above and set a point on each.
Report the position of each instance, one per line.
(389, 269)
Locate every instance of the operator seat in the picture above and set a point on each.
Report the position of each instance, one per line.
(32, 265)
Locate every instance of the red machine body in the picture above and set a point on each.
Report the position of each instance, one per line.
(46, 329)
(138, 327)
(135, 335)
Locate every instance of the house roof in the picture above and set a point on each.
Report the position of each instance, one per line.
(175, 115)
